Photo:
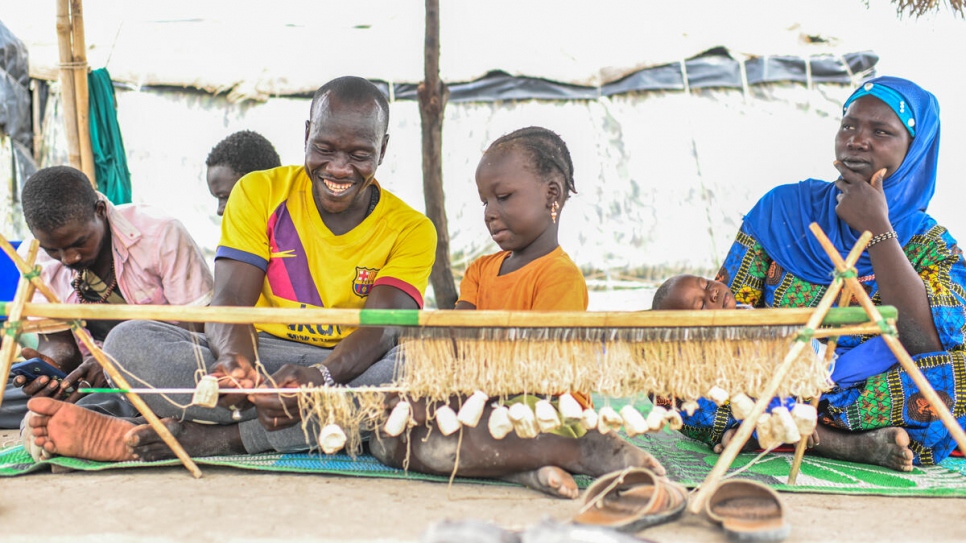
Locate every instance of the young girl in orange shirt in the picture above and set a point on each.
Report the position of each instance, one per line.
(524, 179)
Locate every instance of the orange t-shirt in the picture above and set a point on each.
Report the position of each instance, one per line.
(550, 283)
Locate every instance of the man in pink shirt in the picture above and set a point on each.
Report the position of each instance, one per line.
(95, 252)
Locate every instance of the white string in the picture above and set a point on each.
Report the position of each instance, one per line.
(288, 390)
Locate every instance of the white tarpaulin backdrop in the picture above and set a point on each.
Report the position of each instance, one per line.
(663, 177)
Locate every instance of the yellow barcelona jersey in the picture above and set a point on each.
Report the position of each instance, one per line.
(271, 222)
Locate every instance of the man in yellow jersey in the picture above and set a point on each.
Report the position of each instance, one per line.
(325, 234)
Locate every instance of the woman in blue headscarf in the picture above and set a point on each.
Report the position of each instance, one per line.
(886, 151)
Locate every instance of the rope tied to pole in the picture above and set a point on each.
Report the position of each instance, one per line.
(76, 324)
(30, 275)
(886, 327)
(846, 274)
(74, 65)
(12, 329)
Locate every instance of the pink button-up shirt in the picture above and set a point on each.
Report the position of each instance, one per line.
(155, 261)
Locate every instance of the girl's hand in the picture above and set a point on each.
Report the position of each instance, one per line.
(862, 202)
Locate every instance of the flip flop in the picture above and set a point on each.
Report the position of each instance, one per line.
(748, 511)
(631, 500)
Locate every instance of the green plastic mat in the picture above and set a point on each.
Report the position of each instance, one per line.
(16, 461)
(687, 462)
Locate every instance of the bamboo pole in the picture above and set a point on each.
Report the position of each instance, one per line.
(906, 361)
(390, 317)
(800, 449)
(834, 334)
(455, 319)
(25, 290)
(761, 403)
(867, 329)
(43, 326)
(26, 270)
(142, 407)
(829, 354)
(83, 110)
(67, 82)
(109, 368)
(35, 119)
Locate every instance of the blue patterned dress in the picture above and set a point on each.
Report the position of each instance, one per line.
(886, 399)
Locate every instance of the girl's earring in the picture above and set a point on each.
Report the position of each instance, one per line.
(553, 212)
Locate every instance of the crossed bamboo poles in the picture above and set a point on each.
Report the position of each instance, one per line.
(845, 283)
(29, 282)
(845, 277)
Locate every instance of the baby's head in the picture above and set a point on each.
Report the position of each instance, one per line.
(523, 179)
(692, 292)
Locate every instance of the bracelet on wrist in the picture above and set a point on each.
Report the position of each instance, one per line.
(326, 375)
(882, 237)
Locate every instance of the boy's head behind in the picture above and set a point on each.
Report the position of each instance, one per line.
(692, 292)
(233, 157)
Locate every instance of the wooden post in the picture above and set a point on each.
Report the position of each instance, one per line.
(83, 109)
(433, 95)
(67, 82)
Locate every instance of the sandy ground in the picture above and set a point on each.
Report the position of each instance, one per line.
(166, 504)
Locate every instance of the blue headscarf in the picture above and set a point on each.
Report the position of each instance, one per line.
(780, 220)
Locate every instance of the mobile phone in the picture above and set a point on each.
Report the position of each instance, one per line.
(35, 367)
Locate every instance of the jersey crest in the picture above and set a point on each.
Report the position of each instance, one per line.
(362, 284)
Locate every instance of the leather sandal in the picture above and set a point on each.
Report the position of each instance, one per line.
(631, 500)
(748, 511)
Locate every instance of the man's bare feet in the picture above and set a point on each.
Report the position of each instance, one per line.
(888, 447)
(604, 453)
(196, 439)
(69, 430)
(728, 435)
(549, 480)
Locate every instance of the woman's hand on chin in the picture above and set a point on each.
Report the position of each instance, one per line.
(862, 202)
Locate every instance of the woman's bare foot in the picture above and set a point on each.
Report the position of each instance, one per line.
(196, 439)
(69, 430)
(728, 435)
(888, 447)
(604, 453)
(549, 480)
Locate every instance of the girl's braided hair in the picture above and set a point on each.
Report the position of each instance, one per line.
(547, 150)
